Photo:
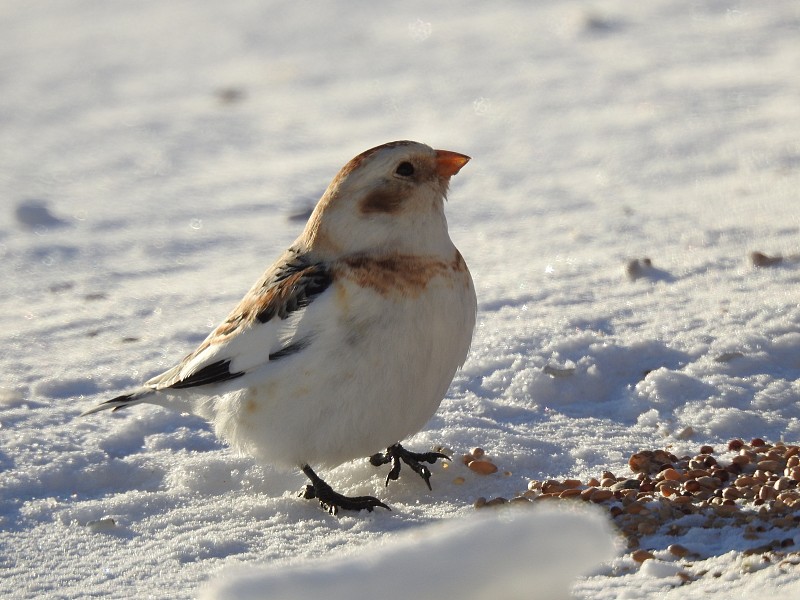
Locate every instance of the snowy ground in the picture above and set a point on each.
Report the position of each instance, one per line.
(153, 155)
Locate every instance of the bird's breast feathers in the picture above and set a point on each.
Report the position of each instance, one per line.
(401, 275)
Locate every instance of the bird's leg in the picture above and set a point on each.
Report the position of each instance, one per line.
(333, 501)
(396, 453)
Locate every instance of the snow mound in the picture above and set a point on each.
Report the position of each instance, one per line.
(512, 554)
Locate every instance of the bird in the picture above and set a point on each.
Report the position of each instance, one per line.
(349, 341)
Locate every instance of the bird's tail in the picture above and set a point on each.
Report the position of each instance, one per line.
(123, 401)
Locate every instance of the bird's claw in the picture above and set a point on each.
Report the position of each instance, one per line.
(397, 455)
(332, 501)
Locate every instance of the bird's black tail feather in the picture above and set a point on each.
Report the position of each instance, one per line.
(119, 402)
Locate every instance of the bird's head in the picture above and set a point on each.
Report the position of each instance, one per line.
(387, 199)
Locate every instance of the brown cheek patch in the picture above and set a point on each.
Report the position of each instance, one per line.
(381, 201)
(395, 275)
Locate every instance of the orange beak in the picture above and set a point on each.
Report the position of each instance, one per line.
(449, 163)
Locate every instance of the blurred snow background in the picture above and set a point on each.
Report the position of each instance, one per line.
(154, 158)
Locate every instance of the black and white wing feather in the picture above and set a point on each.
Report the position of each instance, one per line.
(264, 327)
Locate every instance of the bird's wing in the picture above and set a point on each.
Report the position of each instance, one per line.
(264, 327)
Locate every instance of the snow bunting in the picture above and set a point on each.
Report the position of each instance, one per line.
(348, 342)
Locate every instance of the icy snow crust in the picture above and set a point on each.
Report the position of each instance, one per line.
(155, 157)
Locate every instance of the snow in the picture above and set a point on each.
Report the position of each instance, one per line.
(452, 564)
(155, 157)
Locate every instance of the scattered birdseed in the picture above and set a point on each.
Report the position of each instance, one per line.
(757, 490)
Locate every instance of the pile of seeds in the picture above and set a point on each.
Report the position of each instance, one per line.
(756, 490)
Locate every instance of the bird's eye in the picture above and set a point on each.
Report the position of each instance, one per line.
(405, 169)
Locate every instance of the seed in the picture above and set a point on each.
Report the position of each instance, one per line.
(668, 490)
(706, 450)
(761, 476)
(671, 474)
(731, 493)
(735, 445)
(482, 467)
(709, 482)
(458, 480)
(691, 485)
(642, 555)
(767, 493)
(637, 509)
(572, 483)
(629, 484)
(677, 550)
(477, 452)
(720, 474)
(697, 473)
(570, 493)
(552, 487)
(768, 465)
(496, 501)
(607, 482)
(601, 495)
(726, 510)
(741, 460)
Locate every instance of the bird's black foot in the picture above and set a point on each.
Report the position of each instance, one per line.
(396, 453)
(333, 501)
